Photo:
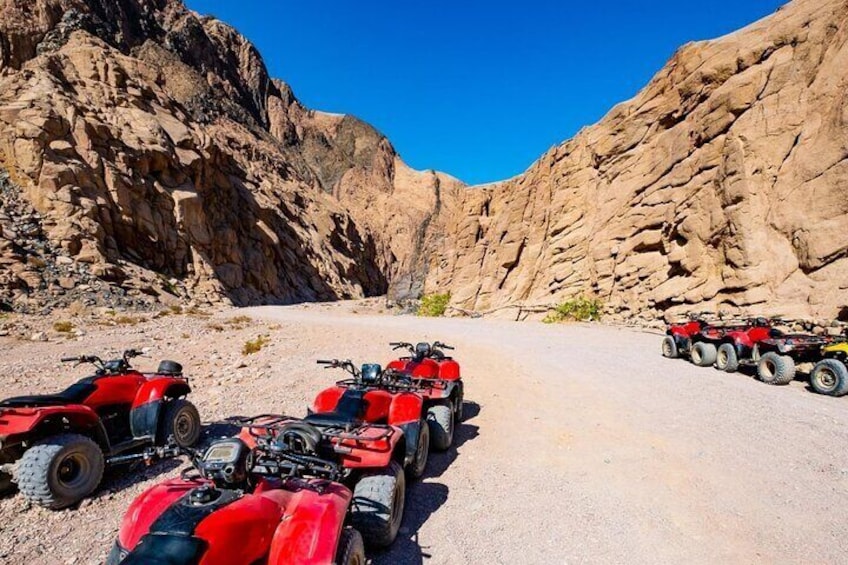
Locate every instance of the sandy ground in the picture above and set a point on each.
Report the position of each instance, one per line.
(582, 444)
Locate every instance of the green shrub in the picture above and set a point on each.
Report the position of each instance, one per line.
(434, 305)
(578, 309)
(254, 345)
(63, 327)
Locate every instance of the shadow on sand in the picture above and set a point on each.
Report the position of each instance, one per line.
(424, 497)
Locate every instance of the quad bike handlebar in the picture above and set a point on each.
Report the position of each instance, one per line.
(411, 347)
(345, 364)
(386, 378)
(123, 363)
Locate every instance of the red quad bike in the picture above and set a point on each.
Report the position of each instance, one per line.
(372, 427)
(728, 347)
(680, 336)
(441, 385)
(56, 446)
(778, 358)
(274, 503)
(375, 396)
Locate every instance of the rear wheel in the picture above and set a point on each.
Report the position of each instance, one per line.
(422, 452)
(440, 420)
(703, 354)
(60, 470)
(726, 358)
(776, 369)
(830, 377)
(351, 549)
(182, 422)
(377, 506)
(669, 348)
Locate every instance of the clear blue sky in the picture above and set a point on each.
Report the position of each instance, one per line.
(478, 89)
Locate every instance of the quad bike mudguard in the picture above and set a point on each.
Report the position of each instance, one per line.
(18, 423)
(289, 523)
(310, 529)
(146, 410)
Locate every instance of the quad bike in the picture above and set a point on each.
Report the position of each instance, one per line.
(274, 503)
(56, 446)
(369, 457)
(778, 358)
(830, 375)
(441, 386)
(729, 346)
(376, 396)
(680, 336)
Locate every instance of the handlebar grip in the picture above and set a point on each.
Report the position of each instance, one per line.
(447, 347)
(69, 359)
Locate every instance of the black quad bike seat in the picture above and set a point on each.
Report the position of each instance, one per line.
(350, 409)
(74, 394)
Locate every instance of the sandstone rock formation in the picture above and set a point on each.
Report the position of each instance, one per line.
(723, 184)
(154, 159)
(153, 145)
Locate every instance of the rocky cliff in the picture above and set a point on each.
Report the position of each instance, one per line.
(160, 161)
(147, 156)
(722, 184)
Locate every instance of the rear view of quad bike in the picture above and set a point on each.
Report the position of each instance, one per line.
(441, 386)
(376, 396)
(779, 358)
(272, 501)
(57, 446)
(369, 457)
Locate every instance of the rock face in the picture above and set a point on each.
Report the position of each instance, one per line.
(153, 145)
(150, 157)
(723, 184)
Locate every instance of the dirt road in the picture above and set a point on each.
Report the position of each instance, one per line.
(582, 445)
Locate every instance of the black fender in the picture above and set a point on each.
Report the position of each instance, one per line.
(144, 419)
(411, 431)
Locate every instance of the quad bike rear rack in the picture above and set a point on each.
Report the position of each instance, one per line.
(340, 431)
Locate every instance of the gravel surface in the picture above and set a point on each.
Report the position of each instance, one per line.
(581, 443)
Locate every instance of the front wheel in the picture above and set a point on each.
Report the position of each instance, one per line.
(377, 506)
(61, 470)
(440, 420)
(669, 348)
(830, 377)
(351, 549)
(182, 422)
(726, 358)
(774, 369)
